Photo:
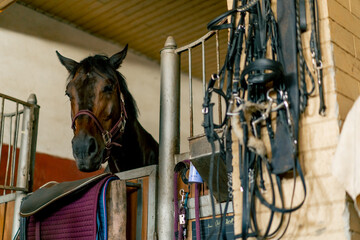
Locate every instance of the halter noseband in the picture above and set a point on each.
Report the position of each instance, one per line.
(117, 129)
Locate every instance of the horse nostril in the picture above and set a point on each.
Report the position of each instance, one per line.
(85, 147)
(92, 146)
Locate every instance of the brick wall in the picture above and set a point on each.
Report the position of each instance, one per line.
(327, 213)
(344, 22)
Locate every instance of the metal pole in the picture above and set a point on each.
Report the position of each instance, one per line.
(169, 140)
(24, 161)
(191, 95)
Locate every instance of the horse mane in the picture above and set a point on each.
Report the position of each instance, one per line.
(101, 63)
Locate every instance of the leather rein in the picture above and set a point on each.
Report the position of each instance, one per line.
(108, 135)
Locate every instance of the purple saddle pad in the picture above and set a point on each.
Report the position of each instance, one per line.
(70, 217)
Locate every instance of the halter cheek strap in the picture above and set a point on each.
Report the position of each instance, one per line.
(117, 129)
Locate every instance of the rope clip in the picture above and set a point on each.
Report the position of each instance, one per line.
(182, 194)
(317, 64)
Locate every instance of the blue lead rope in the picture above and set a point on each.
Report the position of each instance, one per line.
(101, 216)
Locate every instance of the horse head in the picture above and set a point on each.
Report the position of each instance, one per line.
(100, 107)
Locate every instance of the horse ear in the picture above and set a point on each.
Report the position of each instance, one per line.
(117, 58)
(67, 62)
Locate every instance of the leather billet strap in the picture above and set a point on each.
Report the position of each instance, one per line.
(211, 134)
(207, 109)
(302, 9)
(316, 52)
(303, 67)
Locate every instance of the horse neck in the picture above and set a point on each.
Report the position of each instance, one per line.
(138, 148)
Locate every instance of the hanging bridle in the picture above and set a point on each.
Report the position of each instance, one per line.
(108, 135)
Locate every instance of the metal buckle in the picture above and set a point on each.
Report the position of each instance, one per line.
(317, 64)
(205, 110)
(121, 125)
(107, 138)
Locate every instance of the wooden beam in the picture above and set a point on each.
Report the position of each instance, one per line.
(5, 3)
(116, 203)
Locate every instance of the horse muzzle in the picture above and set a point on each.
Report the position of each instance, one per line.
(86, 152)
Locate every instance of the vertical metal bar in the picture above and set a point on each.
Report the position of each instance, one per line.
(169, 140)
(34, 119)
(218, 71)
(24, 155)
(203, 65)
(28, 131)
(16, 131)
(9, 154)
(151, 230)
(2, 126)
(191, 96)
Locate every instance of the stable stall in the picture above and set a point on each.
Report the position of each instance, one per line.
(247, 100)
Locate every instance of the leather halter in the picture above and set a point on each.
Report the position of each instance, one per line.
(107, 135)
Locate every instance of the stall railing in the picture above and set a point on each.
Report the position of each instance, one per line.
(18, 135)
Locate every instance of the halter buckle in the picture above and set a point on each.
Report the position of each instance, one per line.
(107, 138)
(121, 125)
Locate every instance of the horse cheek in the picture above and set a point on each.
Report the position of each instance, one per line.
(108, 114)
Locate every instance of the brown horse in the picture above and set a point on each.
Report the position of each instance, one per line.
(104, 115)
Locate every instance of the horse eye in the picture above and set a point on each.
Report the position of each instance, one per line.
(108, 89)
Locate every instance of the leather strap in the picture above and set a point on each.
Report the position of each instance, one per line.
(302, 16)
(253, 83)
(258, 71)
(316, 52)
(22, 233)
(282, 147)
(303, 67)
(213, 25)
(176, 206)
(197, 211)
(274, 208)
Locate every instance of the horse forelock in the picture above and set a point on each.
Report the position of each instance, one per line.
(100, 65)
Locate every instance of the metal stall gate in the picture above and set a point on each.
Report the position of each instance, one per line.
(18, 134)
(169, 143)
